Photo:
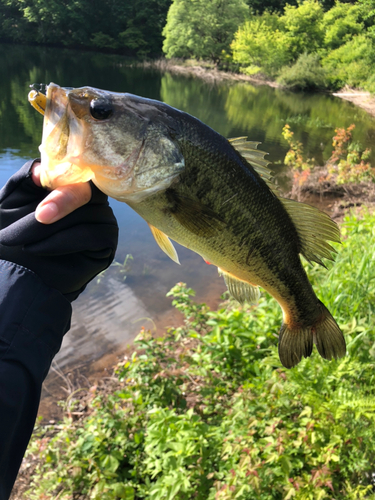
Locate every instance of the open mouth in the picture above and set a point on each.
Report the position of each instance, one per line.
(63, 138)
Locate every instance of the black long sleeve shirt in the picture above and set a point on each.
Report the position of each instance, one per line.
(33, 321)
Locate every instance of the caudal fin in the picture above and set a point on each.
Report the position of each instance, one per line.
(297, 342)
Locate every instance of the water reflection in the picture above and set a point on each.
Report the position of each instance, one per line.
(105, 317)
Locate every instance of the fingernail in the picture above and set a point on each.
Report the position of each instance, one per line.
(47, 213)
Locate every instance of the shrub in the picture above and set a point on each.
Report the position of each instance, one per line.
(349, 162)
(305, 74)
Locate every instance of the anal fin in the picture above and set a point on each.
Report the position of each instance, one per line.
(240, 290)
(164, 243)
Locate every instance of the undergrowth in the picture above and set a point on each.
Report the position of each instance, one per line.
(348, 164)
(208, 412)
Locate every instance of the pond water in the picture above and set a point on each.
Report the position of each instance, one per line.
(110, 313)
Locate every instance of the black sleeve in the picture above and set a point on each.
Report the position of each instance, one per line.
(33, 320)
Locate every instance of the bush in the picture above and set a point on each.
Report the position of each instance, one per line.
(305, 74)
(349, 162)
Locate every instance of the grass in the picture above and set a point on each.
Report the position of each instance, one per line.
(209, 413)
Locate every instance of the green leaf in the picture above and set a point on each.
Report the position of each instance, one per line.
(110, 463)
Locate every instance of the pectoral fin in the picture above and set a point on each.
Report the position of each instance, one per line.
(194, 216)
(240, 290)
(164, 243)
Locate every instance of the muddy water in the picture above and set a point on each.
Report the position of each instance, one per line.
(109, 314)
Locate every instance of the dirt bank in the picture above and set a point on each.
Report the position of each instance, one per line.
(360, 98)
(206, 71)
(209, 73)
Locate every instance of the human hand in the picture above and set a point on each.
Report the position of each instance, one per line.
(61, 201)
(67, 254)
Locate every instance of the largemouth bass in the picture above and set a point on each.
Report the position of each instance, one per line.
(209, 194)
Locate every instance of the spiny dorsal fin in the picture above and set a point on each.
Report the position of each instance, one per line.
(240, 290)
(164, 243)
(255, 157)
(314, 228)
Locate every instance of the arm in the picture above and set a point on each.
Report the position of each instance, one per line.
(43, 267)
(33, 320)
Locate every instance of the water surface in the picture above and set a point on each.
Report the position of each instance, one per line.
(108, 315)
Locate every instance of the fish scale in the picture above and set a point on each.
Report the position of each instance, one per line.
(209, 194)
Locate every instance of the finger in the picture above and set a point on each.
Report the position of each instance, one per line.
(62, 201)
(35, 173)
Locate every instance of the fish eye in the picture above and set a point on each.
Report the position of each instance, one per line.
(100, 109)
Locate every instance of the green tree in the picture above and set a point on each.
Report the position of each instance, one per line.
(341, 23)
(202, 28)
(260, 6)
(368, 12)
(13, 26)
(304, 26)
(353, 63)
(261, 44)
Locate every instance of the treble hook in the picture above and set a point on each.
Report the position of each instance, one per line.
(39, 87)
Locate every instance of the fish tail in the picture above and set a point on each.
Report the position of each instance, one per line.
(297, 341)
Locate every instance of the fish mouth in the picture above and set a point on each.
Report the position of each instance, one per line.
(62, 139)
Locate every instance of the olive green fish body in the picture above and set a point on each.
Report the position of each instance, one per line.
(222, 209)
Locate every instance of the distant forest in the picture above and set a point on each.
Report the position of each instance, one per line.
(130, 27)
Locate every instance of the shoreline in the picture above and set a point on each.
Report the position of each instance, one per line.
(361, 98)
(206, 72)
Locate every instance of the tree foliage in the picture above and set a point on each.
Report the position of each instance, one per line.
(261, 43)
(132, 27)
(202, 28)
(302, 24)
(341, 39)
(340, 24)
(352, 63)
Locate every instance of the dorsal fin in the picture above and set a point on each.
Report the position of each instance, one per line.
(240, 290)
(314, 229)
(254, 156)
(164, 243)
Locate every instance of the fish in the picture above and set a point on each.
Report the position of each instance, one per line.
(212, 195)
